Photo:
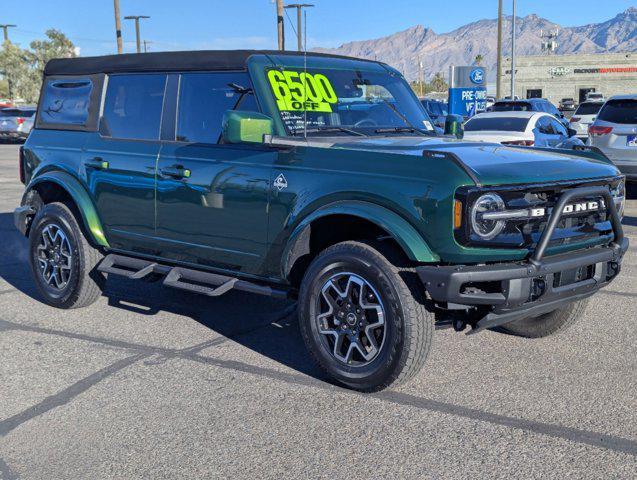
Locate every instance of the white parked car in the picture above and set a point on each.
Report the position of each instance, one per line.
(528, 129)
(614, 132)
(584, 116)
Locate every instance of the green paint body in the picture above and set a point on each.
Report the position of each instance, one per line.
(245, 204)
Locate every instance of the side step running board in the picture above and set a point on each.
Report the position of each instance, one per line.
(205, 283)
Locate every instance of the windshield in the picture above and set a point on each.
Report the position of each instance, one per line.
(347, 102)
(501, 124)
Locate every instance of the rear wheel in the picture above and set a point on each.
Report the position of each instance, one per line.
(362, 318)
(547, 324)
(62, 261)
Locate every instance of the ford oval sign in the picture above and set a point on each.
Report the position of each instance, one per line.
(477, 76)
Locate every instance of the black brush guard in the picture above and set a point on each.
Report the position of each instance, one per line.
(533, 287)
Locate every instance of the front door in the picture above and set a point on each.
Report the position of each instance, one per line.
(120, 160)
(212, 199)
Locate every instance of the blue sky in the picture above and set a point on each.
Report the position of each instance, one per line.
(219, 24)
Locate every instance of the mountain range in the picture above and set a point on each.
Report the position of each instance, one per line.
(461, 46)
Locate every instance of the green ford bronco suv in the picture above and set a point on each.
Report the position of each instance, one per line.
(313, 177)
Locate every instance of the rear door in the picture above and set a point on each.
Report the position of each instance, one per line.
(120, 160)
(212, 198)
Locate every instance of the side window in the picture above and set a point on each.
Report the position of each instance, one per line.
(204, 98)
(133, 106)
(66, 102)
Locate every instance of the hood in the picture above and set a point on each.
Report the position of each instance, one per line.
(490, 163)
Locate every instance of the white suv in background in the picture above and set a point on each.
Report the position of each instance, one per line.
(583, 117)
(614, 132)
(595, 97)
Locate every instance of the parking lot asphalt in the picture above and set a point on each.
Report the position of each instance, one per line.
(155, 383)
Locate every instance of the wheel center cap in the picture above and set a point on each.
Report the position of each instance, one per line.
(351, 319)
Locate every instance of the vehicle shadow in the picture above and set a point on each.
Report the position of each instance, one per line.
(265, 325)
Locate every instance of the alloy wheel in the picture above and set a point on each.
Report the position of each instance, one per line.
(54, 256)
(351, 319)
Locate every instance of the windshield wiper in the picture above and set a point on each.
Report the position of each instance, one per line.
(335, 129)
(404, 119)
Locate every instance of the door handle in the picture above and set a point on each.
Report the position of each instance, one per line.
(175, 171)
(98, 163)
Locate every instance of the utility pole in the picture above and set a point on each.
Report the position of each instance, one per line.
(6, 28)
(146, 43)
(513, 35)
(137, 35)
(498, 94)
(279, 24)
(118, 26)
(299, 22)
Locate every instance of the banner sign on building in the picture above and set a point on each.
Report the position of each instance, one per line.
(468, 90)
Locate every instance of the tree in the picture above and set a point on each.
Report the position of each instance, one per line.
(57, 46)
(479, 59)
(16, 69)
(22, 69)
(438, 83)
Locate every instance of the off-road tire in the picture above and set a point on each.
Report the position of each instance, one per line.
(547, 324)
(409, 325)
(85, 283)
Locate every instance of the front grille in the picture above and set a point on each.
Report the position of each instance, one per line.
(573, 228)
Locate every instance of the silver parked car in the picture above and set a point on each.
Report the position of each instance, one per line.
(615, 133)
(16, 122)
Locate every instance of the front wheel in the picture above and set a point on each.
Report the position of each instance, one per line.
(62, 261)
(549, 323)
(363, 319)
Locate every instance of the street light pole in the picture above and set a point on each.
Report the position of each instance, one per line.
(118, 26)
(299, 22)
(513, 35)
(137, 35)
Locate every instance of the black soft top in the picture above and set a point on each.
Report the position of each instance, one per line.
(164, 61)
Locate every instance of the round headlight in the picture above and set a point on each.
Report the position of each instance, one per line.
(487, 229)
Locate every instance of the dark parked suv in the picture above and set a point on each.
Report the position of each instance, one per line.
(318, 178)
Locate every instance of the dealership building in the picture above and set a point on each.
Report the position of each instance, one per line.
(572, 76)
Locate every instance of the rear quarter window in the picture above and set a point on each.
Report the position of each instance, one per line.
(66, 101)
(619, 111)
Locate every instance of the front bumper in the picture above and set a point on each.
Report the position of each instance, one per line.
(511, 291)
(509, 286)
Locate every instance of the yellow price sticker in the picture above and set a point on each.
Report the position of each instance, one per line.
(302, 91)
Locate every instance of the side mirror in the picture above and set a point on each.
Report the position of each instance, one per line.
(572, 132)
(454, 125)
(245, 127)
